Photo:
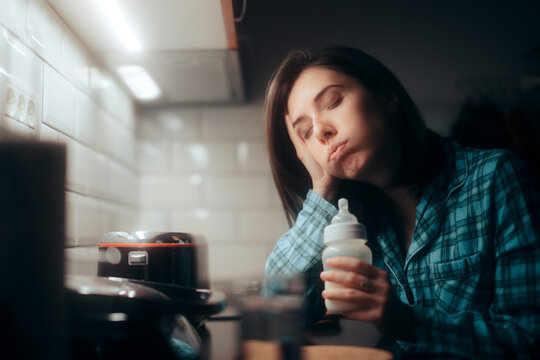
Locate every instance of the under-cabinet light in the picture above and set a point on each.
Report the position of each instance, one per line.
(139, 81)
(120, 24)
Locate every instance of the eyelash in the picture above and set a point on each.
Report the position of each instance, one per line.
(333, 105)
(307, 134)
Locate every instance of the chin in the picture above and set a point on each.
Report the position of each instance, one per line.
(350, 169)
(356, 176)
(345, 174)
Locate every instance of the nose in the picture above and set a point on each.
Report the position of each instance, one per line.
(323, 130)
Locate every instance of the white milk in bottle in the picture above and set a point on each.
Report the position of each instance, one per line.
(345, 236)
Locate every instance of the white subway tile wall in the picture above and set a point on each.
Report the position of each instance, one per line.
(237, 260)
(257, 225)
(218, 226)
(13, 17)
(44, 34)
(59, 98)
(198, 169)
(214, 180)
(51, 90)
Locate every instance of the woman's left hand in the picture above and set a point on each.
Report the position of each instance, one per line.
(369, 288)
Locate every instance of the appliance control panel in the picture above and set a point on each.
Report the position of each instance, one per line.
(138, 258)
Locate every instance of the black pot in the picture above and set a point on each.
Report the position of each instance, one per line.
(114, 318)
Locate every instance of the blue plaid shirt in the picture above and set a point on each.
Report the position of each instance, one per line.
(472, 271)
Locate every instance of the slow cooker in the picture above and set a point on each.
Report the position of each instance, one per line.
(167, 258)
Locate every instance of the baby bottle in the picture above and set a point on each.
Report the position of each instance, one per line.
(345, 236)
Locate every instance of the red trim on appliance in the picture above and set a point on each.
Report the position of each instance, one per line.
(146, 245)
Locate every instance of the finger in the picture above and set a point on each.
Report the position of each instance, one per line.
(361, 298)
(370, 314)
(367, 306)
(355, 265)
(292, 134)
(349, 279)
(298, 143)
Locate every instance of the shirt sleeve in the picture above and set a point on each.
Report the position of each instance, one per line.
(511, 328)
(299, 250)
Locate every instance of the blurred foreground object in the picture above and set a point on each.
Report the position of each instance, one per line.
(32, 181)
(272, 312)
(268, 350)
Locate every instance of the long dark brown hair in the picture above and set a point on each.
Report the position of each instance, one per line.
(290, 176)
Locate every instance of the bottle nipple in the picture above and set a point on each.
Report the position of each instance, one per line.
(343, 215)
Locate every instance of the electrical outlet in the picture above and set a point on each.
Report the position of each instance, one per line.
(11, 107)
(31, 113)
(20, 106)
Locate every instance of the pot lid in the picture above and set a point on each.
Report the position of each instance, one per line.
(105, 295)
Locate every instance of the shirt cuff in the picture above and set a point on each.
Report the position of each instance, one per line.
(314, 203)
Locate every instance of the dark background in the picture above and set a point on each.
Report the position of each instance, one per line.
(428, 44)
(447, 54)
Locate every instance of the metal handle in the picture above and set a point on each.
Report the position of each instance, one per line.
(138, 258)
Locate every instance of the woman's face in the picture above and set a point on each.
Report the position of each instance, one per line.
(344, 127)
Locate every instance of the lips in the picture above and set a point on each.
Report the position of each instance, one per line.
(336, 151)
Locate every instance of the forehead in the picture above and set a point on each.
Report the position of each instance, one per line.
(311, 81)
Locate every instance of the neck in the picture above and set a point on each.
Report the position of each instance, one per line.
(402, 214)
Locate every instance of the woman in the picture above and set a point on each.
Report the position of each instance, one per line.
(454, 231)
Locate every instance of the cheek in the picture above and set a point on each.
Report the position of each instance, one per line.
(349, 168)
(317, 152)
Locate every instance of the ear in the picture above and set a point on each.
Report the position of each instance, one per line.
(392, 103)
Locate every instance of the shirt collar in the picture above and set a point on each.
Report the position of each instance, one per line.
(452, 175)
(429, 214)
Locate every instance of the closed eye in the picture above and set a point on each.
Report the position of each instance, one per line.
(334, 103)
(331, 98)
(307, 133)
(303, 127)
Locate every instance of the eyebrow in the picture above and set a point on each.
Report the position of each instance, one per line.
(316, 99)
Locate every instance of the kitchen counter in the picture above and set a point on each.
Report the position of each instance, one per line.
(225, 334)
(105, 322)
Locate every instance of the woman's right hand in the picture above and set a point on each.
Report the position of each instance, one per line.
(324, 184)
